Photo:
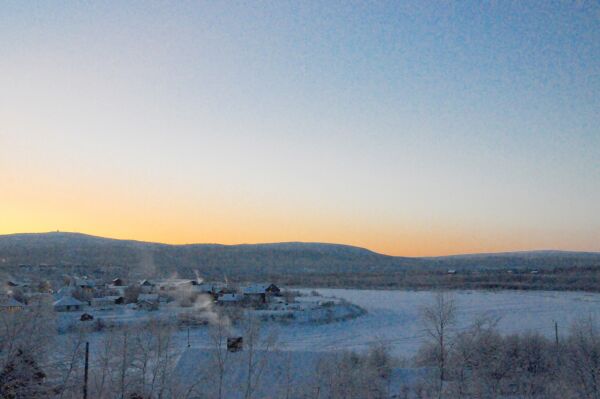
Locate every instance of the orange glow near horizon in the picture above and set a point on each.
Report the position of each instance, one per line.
(156, 217)
(37, 199)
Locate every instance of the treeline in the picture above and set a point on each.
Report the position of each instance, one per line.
(558, 279)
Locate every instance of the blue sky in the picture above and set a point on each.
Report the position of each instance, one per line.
(410, 128)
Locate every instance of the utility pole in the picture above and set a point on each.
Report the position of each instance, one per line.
(188, 336)
(557, 346)
(85, 375)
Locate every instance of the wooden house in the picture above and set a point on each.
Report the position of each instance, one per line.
(68, 304)
(118, 282)
(10, 305)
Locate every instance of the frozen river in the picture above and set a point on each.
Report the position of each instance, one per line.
(393, 317)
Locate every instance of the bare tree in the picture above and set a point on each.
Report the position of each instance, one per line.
(438, 319)
(218, 333)
(121, 368)
(101, 374)
(256, 349)
(69, 364)
(25, 338)
(582, 352)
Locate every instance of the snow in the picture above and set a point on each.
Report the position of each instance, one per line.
(277, 367)
(391, 317)
(68, 301)
(84, 282)
(64, 291)
(148, 297)
(255, 289)
(230, 298)
(293, 372)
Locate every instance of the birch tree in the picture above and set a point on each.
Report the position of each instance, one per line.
(438, 319)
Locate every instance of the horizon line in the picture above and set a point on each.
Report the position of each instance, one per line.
(307, 242)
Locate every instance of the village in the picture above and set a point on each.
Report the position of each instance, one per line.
(83, 301)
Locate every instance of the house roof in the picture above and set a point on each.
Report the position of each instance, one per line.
(110, 298)
(68, 301)
(140, 301)
(255, 289)
(9, 302)
(17, 283)
(205, 286)
(174, 282)
(209, 287)
(64, 291)
(84, 282)
(148, 297)
(230, 298)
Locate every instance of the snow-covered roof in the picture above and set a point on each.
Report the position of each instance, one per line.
(117, 287)
(18, 283)
(230, 298)
(205, 287)
(147, 283)
(255, 289)
(68, 301)
(148, 297)
(258, 288)
(64, 291)
(145, 301)
(9, 302)
(210, 287)
(84, 282)
(177, 282)
(110, 298)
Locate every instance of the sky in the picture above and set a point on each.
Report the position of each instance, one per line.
(410, 128)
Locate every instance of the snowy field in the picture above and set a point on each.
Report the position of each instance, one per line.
(393, 317)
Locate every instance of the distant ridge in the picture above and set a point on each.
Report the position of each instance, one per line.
(213, 260)
(289, 245)
(58, 237)
(85, 254)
